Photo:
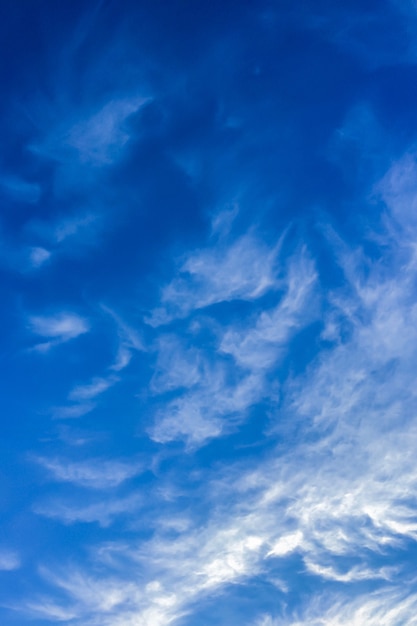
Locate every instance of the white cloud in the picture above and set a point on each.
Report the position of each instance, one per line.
(95, 137)
(388, 607)
(129, 341)
(286, 544)
(24, 259)
(72, 411)
(209, 410)
(60, 233)
(244, 270)
(71, 226)
(50, 610)
(259, 347)
(38, 256)
(213, 394)
(59, 328)
(82, 396)
(93, 473)
(100, 138)
(176, 366)
(9, 560)
(86, 590)
(222, 221)
(398, 190)
(62, 326)
(93, 389)
(101, 511)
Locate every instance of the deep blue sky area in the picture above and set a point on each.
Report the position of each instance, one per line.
(208, 227)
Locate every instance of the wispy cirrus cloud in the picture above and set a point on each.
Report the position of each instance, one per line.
(258, 346)
(176, 365)
(50, 610)
(211, 409)
(69, 227)
(24, 259)
(58, 235)
(91, 390)
(101, 511)
(254, 346)
(93, 473)
(9, 560)
(42, 241)
(398, 191)
(83, 397)
(72, 411)
(392, 606)
(58, 328)
(130, 341)
(243, 270)
(38, 256)
(96, 137)
(99, 139)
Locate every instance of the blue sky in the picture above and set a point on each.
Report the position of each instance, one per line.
(209, 323)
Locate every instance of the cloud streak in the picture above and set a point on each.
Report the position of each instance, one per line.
(92, 474)
(58, 328)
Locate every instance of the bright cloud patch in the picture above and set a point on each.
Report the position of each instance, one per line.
(244, 270)
(57, 328)
(96, 387)
(63, 326)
